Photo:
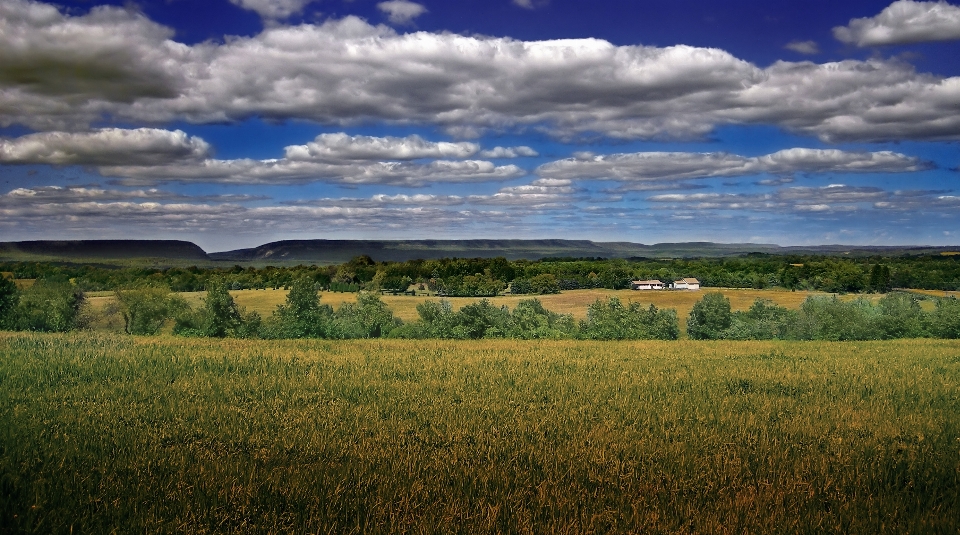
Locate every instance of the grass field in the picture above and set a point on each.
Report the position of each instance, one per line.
(105, 433)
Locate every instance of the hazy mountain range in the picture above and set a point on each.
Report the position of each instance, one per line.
(338, 251)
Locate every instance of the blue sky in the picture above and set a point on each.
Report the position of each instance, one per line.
(232, 123)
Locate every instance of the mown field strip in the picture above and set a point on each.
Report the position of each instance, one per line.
(162, 434)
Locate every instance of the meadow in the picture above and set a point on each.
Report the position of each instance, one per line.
(106, 433)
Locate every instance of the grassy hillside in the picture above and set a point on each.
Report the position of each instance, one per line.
(108, 433)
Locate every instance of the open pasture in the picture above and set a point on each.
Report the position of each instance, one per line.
(102, 433)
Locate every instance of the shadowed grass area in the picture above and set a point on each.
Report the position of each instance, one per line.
(163, 434)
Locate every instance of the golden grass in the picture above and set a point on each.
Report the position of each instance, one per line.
(104, 433)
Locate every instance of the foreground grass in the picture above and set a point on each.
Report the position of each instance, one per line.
(103, 433)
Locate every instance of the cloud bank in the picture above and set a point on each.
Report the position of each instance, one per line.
(64, 72)
(903, 22)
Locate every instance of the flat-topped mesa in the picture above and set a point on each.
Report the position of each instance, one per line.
(119, 249)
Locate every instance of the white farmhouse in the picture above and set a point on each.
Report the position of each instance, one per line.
(646, 285)
(686, 284)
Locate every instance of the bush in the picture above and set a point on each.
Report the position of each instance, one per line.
(900, 317)
(763, 321)
(302, 315)
(483, 320)
(369, 317)
(828, 318)
(9, 296)
(220, 317)
(48, 306)
(146, 308)
(710, 317)
(612, 321)
(530, 321)
(945, 319)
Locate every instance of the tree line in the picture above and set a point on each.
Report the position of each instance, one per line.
(52, 305)
(479, 277)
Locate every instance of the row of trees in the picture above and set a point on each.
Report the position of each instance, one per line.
(896, 315)
(489, 276)
(57, 306)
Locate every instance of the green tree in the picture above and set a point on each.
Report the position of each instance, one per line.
(9, 296)
(545, 283)
(530, 320)
(220, 316)
(900, 317)
(145, 308)
(302, 315)
(829, 318)
(710, 317)
(879, 280)
(762, 321)
(610, 320)
(49, 306)
(945, 318)
(369, 317)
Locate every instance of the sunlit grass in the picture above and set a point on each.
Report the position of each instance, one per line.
(103, 433)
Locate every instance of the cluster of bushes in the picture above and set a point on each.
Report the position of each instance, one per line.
(528, 320)
(50, 305)
(896, 315)
(56, 305)
(606, 320)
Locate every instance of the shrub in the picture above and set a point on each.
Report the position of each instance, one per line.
(302, 315)
(709, 317)
(9, 296)
(146, 308)
(530, 320)
(763, 321)
(900, 317)
(48, 306)
(220, 316)
(611, 320)
(945, 319)
(828, 318)
(369, 317)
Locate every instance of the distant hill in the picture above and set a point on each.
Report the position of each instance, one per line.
(175, 252)
(338, 251)
(101, 250)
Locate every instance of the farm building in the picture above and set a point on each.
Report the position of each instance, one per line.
(646, 285)
(686, 284)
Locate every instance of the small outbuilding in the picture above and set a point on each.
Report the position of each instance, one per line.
(686, 284)
(646, 285)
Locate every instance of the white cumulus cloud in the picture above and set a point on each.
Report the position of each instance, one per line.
(62, 72)
(401, 11)
(342, 147)
(106, 146)
(803, 47)
(509, 152)
(273, 9)
(671, 166)
(904, 21)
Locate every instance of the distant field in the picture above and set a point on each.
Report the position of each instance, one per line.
(107, 433)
